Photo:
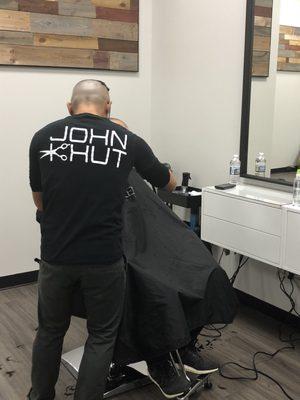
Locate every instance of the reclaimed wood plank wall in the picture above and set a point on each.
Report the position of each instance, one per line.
(262, 37)
(96, 34)
(289, 49)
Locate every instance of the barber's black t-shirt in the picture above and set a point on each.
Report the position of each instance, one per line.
(81, 165)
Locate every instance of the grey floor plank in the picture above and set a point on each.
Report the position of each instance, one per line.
(250, 332)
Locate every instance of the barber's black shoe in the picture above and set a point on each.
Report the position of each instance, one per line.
(165, 376)
(195, 364)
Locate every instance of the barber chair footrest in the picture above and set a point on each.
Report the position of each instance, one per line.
(129, 379)
(121, 381)
(198, 385)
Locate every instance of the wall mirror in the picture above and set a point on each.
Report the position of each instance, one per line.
(271, 98)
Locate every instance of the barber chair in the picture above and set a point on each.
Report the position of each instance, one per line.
(134, 376)
(120, 379)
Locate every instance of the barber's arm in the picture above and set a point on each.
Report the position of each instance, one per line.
(151, 169)
(38, 200)
(172, 182)
(35, 174)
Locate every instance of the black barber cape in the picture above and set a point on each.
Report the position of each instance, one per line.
(174, 285)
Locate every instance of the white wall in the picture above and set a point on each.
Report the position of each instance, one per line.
(197, 85)
(195, 68)
(29, 99)
(197, 93)
(286, 136)
(259, 280)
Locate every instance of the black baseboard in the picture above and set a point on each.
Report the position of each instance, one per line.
(18, 279)
(268, 309)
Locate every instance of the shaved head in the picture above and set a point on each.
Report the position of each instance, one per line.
(88, 95)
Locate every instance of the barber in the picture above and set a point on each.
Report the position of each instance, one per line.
(79, 168)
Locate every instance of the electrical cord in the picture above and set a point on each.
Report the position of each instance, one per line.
(256, 371)
(232, 280)
(240, 266)
(222, 254)
(215, 329)
(282, 276)
(290, 341)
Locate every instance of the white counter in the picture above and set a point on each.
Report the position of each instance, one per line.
(257, 222)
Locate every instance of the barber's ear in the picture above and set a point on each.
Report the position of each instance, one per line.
(70, 109)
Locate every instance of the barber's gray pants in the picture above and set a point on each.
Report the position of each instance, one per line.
(103, 288)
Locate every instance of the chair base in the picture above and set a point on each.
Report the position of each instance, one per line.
(122, 380)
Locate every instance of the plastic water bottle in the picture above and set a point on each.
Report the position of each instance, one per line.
(235, 170)
(260, 165)
(296, 192)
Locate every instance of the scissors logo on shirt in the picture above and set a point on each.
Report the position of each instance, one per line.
(54, 152)
(114, 144)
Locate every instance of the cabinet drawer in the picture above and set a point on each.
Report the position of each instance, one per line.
(291, 259)
(243, 240)
(243, 212)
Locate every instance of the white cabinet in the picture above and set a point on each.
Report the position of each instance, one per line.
(250, 220)
(242, 240)
(291, 239)
(240, 211)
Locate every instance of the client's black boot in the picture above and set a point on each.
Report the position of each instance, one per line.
(171, 382)
(194, 363)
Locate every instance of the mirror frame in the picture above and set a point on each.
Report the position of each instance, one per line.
(246, 102)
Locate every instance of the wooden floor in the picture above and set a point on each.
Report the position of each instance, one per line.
(250, 332)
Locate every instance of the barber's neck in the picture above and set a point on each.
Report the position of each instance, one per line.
(86, 109)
